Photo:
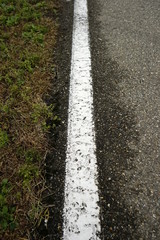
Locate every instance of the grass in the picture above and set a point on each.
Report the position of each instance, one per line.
(28, 30)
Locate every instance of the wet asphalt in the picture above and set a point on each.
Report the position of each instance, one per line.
(55, 159)
(125, 49)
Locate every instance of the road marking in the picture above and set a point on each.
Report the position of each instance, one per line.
(81, 210)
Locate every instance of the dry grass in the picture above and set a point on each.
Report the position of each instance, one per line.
(26, 70)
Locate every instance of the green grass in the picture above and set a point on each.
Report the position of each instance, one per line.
(7, 218)
(27, 39)
(3, 138)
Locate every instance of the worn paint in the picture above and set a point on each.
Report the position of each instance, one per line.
(81, 210)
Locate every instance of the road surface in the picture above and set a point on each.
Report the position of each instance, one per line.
(125, 53)
(125, 37)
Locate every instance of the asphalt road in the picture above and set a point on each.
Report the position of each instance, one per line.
(125, 46)
(125, 49)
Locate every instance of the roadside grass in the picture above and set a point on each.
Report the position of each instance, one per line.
(28, 31)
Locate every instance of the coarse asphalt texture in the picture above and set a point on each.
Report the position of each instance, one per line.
(125, 49)
(125, 46)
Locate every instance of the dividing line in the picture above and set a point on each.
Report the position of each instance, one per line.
(81, 210)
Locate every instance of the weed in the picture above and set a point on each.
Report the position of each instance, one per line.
(31, 156)
(45, 114)
(6, 211)
(28, 172)
(26, 94)
(3, 20)
(3, 49)
(8, 8)
(3, 138)
(29, 13)
(12, 20)
(36, 211)
(34, 33)
(40, 5)
(35, 28)
(42, 111)
(7, 106)
(28, 62)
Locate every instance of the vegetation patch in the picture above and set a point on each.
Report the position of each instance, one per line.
(28, 30)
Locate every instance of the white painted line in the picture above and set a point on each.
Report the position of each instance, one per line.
(81, 210)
